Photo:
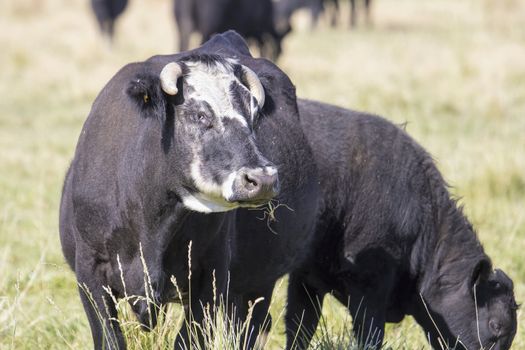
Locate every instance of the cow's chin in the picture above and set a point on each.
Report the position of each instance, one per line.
(204, 203)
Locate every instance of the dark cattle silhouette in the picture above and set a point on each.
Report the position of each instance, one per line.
(391, 242)
(107, 12)
(353, 11)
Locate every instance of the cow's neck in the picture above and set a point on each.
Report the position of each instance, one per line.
(454, 250)
(447, 255)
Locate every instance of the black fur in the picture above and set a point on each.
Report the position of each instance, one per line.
(122, 200)
(391, 242)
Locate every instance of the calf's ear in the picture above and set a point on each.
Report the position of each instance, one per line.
(498, 276)
(481, 272)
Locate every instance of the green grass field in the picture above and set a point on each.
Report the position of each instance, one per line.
(453, 70)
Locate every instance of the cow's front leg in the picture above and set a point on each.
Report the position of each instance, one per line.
(353, 13)
(98, 304)
(190, 335)
(303, 312)
(251, 316)
(367, 303)
(368, 318)
(208, 288)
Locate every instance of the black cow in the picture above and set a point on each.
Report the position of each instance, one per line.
(251, 19)
(391, 242)
(106, 12)
(172, 151)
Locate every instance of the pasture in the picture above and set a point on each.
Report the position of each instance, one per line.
(453, 71)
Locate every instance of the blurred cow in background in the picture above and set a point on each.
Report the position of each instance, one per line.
(353, 12)
(284, 9)
(252, 19)
(106, 12)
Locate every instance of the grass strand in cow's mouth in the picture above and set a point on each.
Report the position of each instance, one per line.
(268, 212)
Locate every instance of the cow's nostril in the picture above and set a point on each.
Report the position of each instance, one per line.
(250, 182)
(254, 185)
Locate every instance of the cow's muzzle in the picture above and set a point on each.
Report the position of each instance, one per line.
(255, 186)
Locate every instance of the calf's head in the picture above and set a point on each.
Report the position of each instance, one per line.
(210, 107)
(478, 314)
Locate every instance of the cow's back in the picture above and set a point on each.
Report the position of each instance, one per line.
(375, 181)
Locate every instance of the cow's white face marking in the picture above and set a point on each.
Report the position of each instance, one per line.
(204, 204)
(212, 84)
(227, 186)
(202, 183)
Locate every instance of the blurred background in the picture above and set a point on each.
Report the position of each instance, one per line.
(453, 71)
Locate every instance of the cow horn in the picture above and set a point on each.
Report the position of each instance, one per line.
(169, 76)
(253, 84)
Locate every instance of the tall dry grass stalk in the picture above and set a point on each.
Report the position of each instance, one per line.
(219, 329)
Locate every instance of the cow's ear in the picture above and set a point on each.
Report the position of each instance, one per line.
(481, 272)
(144, 91)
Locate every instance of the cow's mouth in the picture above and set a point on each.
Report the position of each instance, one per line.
(205, 203)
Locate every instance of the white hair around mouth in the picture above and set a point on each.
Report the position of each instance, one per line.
(204, 204)
(211, 196)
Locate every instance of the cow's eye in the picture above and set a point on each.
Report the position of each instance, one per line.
(204, 120)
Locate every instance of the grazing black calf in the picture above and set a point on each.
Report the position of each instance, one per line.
(172, 151)
(391, 242)
(106, 12)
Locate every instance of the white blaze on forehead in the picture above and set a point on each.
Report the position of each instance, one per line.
(212, 84)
